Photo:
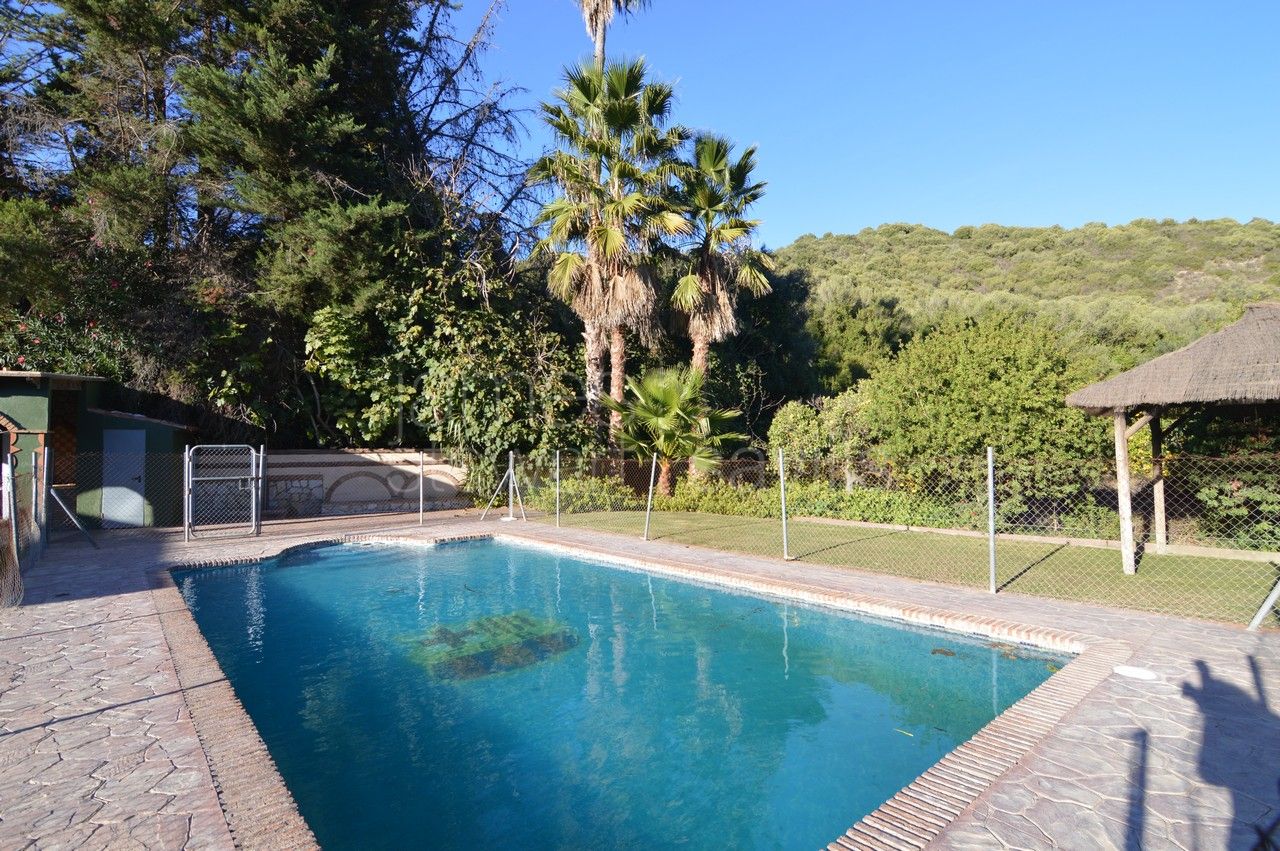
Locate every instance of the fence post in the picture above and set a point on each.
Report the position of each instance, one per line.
(186, 493)
(511, 484)
(45, 482)
(1267, 605)
(782, 493)
(35, 503)
(422, 477)
(557, 488)
(653, 471)
(991, 516)
(11, 510)
(261, 488)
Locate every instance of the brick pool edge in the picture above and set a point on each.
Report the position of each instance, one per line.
(261, 812)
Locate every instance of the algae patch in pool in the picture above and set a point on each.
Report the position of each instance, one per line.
(492, 644)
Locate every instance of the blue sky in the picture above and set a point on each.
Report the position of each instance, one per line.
(952, 113)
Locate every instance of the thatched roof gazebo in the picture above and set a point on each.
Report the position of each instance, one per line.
(1239, 365)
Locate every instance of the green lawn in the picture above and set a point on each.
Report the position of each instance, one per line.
(1190, 586)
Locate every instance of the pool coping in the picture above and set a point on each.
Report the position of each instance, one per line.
(261, 812)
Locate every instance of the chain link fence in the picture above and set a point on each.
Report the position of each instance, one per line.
(119, 493)
(22, 512)
(1208, 528)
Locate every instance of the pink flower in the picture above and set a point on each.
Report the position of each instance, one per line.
(22, 326)
(21, 360)
(115, 285)
(36, 341)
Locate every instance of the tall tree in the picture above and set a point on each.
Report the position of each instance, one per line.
(715, 196)
(612, 173)
(210, 176)
(598, 14)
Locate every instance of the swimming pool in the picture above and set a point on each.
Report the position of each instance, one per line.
(485, 692)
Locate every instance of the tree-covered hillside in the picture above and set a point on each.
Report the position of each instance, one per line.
(1120, 293)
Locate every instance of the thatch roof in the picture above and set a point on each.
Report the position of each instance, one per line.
(1238, 365)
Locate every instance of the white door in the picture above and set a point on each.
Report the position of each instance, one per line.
(124, 455)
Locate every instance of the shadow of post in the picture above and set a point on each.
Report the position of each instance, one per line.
(1239, 750)
(1137, 820)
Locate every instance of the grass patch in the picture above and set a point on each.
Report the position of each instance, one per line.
(1187, 586)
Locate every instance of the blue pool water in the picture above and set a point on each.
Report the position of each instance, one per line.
(486, 694)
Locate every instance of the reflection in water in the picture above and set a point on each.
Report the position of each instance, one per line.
(653, 604)
(636, 737)
(995, 683)
(786, 663)
(254, 610)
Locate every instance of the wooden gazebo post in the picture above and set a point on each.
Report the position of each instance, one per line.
(1124, 492)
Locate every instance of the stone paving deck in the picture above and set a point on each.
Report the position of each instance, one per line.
(98, 748)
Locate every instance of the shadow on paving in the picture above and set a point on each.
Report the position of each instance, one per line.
(1239, 752)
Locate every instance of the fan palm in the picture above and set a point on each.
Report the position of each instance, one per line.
(715, 195)
(611, 174)
(665, 415)
(598, 14)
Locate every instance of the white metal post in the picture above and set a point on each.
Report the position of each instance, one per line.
(653, 471)
(1267, 606)
(782, 493)
(186, 494)
(11, 509)
(261, 485)
(991, 517)
(511, 485)
(46, 482)
(557, 488)
(494, 498)
(422, 476)
(35, 501)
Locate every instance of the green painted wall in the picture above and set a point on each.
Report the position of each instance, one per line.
(25, 402)
(162, 475)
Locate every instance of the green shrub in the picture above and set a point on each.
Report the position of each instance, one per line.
(717, 497)
(820, 499)
(1243, 509)
(587, 493)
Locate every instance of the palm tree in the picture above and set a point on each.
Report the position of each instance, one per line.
(665, 415)
(715, 196)
(598, 14)
(612, 174)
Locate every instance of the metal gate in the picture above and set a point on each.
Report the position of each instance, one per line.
(223, 490)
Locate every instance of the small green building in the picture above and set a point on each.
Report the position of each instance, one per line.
(117, 467)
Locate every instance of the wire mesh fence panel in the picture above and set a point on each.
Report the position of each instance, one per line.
(1055, 530)
(1205, 532)
(602, 492)
(734, 505)
(332, 483)
(224, 497)
(115, 494)
(21, 536)
(926, 523)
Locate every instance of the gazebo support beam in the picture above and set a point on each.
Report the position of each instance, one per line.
(1124, 493)
(1138, 425)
